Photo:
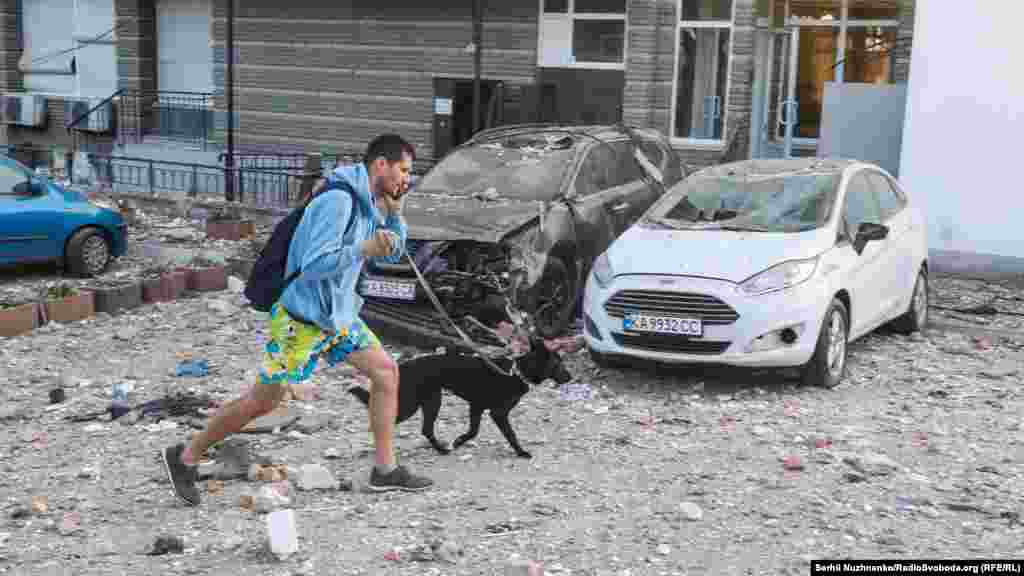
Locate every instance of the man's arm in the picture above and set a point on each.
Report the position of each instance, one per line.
(326, 255)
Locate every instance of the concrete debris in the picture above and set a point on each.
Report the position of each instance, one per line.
(267, 472)
(1002, 370)
(70, 524)
(267, 498)
(88, 473)
(57, 396)
(236, 285)
(872, 464)
(311, 424)
(691, 511)
(167, 545)
(222, 307)
(517, 567)
(316, 477)
(40, 505)
(233, 460)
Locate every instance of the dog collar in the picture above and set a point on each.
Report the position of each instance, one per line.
(514, 371)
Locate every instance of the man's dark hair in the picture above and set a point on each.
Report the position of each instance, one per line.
(390, 146)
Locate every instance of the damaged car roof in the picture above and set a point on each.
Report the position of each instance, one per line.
(491, 185)
(776, 167)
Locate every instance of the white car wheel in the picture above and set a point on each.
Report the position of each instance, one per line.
(827, 366)
(915, 319)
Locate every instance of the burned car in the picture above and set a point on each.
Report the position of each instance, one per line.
(511, 221)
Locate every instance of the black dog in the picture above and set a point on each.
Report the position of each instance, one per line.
(470, 378)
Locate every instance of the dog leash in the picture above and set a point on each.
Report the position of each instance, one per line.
(472, 345)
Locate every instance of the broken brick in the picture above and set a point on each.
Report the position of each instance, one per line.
(792, 463)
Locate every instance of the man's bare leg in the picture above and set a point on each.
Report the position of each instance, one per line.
(180, 461)
(380, 367)
(259, 400)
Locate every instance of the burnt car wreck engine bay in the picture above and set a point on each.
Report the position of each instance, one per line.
(469, 279)
(508, 224)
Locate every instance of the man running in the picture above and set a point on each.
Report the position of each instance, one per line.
(318, 313)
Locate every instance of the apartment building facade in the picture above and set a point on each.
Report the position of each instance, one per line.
(721, 78)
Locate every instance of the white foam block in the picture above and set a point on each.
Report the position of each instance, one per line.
(284, 539)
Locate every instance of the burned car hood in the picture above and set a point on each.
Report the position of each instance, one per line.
(436, 217)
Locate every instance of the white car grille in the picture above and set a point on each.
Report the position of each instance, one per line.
(710, 310)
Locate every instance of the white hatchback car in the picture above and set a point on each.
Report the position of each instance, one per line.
(762, 263)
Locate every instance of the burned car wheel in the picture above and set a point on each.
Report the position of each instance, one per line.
(555, 299)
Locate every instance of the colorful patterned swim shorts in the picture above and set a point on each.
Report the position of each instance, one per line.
(295, 347)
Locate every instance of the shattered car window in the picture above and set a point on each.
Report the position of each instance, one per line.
(522, 169)
(777, 203)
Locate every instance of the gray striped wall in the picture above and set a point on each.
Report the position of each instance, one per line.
(331, 75)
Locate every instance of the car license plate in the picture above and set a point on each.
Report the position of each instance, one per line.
(397, 289)
(663, 324)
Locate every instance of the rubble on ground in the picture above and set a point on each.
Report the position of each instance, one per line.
(654, 472)
(978, 302)
(916, 454)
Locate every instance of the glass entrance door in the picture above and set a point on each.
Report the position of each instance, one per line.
(812, 42)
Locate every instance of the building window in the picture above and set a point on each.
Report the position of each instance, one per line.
(583, 33)
(702, 69)
(68, 48)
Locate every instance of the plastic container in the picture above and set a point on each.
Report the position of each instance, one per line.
(120, 405)
(281, 533)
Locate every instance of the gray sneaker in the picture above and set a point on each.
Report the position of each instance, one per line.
(398, 479)
(183, 478)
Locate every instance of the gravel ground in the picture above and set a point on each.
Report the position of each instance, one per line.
(659, 471)
(995, 305)
(916, 455)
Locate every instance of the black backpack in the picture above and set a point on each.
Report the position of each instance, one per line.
(267, 280)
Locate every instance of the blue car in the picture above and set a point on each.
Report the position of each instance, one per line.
(41, 221)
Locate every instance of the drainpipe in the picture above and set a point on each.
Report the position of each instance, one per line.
(840, 69)
(229, 81)
(477, 51)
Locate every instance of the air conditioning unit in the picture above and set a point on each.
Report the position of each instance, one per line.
(97, 121)
(24, 110)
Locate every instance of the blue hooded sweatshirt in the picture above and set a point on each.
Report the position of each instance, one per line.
(325, 292)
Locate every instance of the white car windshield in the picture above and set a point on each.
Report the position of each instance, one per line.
(775, 203)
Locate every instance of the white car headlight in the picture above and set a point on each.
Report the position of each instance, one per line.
(780, 277)
(602, 271)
